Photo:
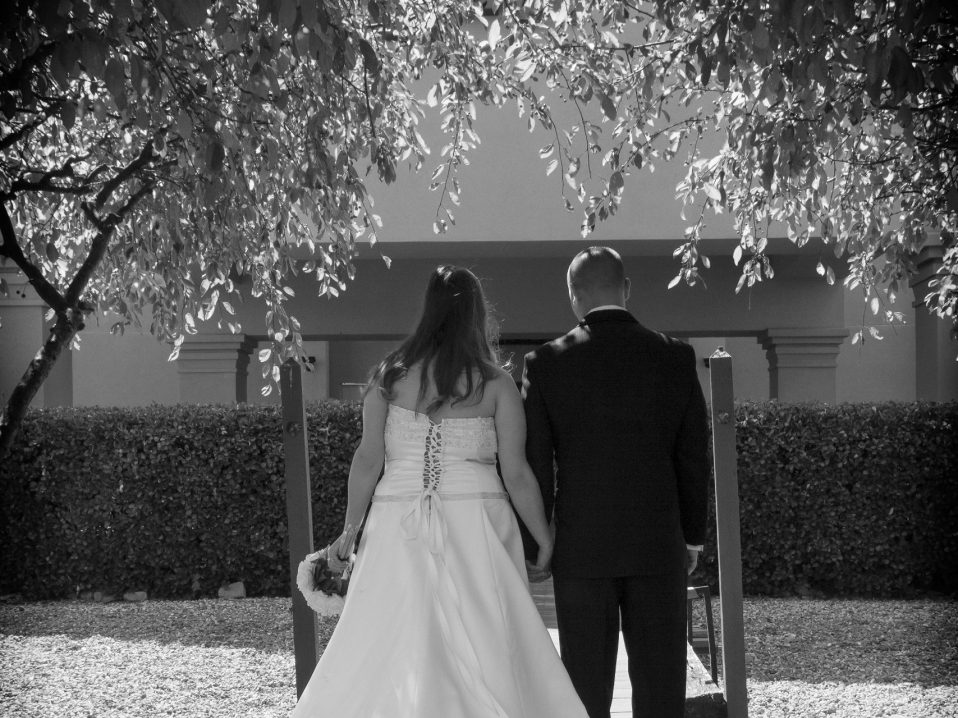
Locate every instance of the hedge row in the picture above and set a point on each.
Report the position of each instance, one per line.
(846, 500)
(854, 499)
(174, 500)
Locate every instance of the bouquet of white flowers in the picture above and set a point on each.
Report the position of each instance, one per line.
(323, 589)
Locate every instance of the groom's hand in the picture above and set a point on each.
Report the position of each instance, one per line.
(693, 559)
(541, 569)
(536, 573)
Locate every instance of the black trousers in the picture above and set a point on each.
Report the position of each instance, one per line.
(653, 615)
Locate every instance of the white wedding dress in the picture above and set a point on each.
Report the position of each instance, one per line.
(438, 621)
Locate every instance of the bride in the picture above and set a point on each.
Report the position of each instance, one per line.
(438, 620)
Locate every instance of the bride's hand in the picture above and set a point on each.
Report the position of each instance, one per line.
(341, 550)
(541, 569)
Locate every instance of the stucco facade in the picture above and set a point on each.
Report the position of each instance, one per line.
(789, 337)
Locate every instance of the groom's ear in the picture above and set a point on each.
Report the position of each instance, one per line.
(628, 288)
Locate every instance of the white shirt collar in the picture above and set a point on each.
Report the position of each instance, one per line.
(605, 306)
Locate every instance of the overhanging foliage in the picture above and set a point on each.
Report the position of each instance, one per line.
(152, 153)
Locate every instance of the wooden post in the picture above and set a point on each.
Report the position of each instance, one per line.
(728, 533)
(299, 515)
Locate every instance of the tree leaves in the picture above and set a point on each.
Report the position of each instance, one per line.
(114, 77)
(373, 65)
(495, 32)
(93, 54)
(184, 14)
(184, 124)
(608, 106)
(286, 15)
(804, 150)
(712, 192)
(264, 117)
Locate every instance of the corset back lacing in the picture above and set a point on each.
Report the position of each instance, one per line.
(425, 520)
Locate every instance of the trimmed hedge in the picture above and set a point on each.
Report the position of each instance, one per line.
(854, 499)
(843, 500)
(174, 500)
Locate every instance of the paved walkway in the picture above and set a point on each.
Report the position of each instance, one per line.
(699, 682)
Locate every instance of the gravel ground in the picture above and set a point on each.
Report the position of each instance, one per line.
(854, 659)
(224, 658)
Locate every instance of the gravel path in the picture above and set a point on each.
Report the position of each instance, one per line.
(207, 659)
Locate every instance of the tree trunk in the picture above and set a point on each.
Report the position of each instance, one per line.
(69, 307)
(67, 325)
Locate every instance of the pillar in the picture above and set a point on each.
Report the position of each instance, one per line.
(212, 368)
(936, 350)
(802, 362)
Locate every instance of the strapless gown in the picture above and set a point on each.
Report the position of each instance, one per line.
(438, 621)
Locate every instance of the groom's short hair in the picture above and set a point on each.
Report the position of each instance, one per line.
(597, 269)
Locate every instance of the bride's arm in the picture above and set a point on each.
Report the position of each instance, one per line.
(520, 482)
(363, 471)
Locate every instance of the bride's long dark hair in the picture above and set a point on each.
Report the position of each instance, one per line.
(455, 342)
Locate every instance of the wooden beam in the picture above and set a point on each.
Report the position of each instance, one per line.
(299, 515)
(728, 533)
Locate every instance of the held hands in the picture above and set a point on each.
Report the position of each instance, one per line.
(541, 569)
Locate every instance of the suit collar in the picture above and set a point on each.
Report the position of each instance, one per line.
(615, 314)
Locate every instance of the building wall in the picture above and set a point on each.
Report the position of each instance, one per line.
(530, 298)
(530, 301)
(316, 381)
(123, 370)
(350, 334)
(21, 336)
(350, 364)
(512, 230)
(876, 369)
(507, 196)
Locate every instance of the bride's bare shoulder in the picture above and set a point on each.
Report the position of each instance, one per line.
(502, 382)
(503, 375)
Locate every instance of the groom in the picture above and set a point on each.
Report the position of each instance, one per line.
(617, 438)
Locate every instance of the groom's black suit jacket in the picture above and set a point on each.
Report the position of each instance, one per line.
(618, 441)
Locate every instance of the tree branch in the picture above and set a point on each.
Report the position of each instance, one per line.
(117, 216)
(11, 249)
(97, 250)
(92, 217)
(67, 325)
(105, 231)
(369, 109)
(45, 183)
(145, 157)
(14, 137)
(12, 79)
